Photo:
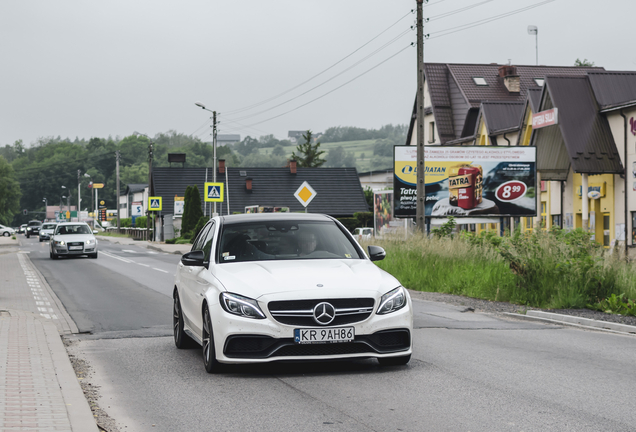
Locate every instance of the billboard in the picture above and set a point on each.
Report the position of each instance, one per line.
(382, 211)
(467, 181)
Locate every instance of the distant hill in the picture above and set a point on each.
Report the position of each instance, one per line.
(363, 157)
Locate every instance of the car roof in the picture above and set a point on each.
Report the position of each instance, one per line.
(72, 223)
(271, 217)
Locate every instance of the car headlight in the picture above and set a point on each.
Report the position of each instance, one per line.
(59, 242)
(392, 301)
(29, 229)
(90, 241)
(241, 306)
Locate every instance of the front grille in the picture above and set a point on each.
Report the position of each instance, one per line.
(301, 312)
(256, 346)
(75, 243)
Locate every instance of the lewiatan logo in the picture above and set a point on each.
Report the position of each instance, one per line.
(410, 169)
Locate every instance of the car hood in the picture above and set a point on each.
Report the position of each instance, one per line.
(74, 237)
(304, 278)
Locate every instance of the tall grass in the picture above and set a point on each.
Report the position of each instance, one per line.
(541, 269)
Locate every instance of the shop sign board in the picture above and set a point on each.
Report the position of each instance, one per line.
(179, 204)
(467, 181)
(545, 118)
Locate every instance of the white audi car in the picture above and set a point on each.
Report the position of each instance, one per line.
(72, 238)
(269, 287)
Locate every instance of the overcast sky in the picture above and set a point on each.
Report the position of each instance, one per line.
(82, 68)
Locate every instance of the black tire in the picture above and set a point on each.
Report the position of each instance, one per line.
(52, 255)
(209, 355)
(394, 361)
(6, 234)
(27, 235)
(94, 256)
(40, 239)
(181, 339)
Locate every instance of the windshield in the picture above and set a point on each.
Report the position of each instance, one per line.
(73, 229)
(284, 240)
(49, 226)
(34, 223)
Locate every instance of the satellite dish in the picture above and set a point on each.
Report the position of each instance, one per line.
(533, 30)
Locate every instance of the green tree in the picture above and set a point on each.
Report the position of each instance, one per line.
(9, 193)
(134, 174)
(583, 63)
(191, 210)
(308, 154)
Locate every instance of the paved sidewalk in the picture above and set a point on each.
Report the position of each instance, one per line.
(38, 387)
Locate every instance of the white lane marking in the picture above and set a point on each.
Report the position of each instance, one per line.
(153, 253)
(155, 268)
(145, 265)
(117, 258)
(128, 250)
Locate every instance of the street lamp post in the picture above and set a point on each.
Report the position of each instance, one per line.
(534, 30)
(46, 204)
(199, 104)
(61, 201)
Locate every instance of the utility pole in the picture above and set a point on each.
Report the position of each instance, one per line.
(79, 199)
(149, 191)
(117, 172)
(420, 209)
(214, 148)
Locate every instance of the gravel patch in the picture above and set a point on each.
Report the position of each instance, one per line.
(91, 392)
(487, 306)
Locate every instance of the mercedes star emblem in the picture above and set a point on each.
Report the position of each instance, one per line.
(324, 313)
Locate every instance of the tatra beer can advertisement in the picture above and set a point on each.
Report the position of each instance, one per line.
(467, 181)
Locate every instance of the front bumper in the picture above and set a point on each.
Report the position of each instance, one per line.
(63, 250)
(245, 340)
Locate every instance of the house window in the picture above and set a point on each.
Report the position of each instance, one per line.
(606, 230)
(431, 132)
(556, 220)
(123, 205)
(516, 222)
(529, 224)
(539, 81)
(480, 81)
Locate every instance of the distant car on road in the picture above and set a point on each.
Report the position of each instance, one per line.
(363, 233)
(72, 238)
(47, 230)
(22, 229)
(33, 228)
(288, 287)
(6, 231)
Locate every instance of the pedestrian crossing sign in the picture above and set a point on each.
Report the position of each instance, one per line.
(154, 203)
(213, 192)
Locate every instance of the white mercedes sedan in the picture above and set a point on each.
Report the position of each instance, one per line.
(282, 286)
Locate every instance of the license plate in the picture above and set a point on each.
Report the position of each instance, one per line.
(75, 248)
(324, 335)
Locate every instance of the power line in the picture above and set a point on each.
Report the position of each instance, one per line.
(456, 11)
(330, 79)
(486, 20)
(319, 73)
(333, 90)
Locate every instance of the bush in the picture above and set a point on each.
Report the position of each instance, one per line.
(141, 222)
(365, 219)
(125, 222)
(350, 223)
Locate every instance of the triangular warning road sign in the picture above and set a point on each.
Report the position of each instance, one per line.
(214, 192)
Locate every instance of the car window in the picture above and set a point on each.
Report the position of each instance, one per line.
(199, 242)
(48, 226)
(207, 243)
(73, 229)
(284, 240)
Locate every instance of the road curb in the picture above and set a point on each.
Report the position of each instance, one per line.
(587, 323)
(157, 248)
(79, 412)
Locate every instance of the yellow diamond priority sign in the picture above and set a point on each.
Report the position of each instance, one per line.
(305, 194)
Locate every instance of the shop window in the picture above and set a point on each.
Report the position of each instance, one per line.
(431, 132)
(544, 215)
(556, 220)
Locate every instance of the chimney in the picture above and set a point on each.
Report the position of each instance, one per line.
(248, 184)
(512, 81)
(292, 166)
(221, 166)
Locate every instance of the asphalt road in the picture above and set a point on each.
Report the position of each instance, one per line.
(469, 372)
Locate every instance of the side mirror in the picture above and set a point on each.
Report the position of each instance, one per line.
(194, 258)
(376, 253)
